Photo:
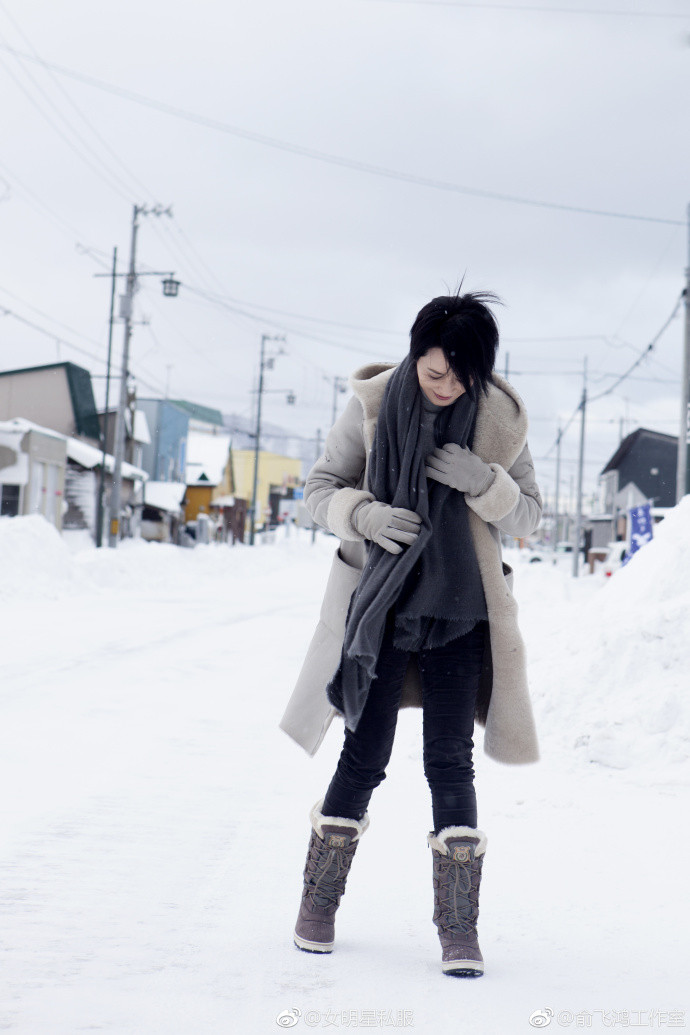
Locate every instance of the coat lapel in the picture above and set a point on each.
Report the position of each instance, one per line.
(500, 433)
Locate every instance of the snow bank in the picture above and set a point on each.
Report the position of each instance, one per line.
(612, 681)
(34, 560)
(609, 660)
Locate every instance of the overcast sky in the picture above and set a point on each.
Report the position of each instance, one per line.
(562, 106)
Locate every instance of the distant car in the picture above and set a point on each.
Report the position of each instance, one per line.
(564, 546)
(614, 557)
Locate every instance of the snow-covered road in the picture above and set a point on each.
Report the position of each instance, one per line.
(155, 819)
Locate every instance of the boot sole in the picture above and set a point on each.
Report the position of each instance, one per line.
(463, 968)
(307, 946)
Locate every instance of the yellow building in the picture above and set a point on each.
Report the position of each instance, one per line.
(275, 472)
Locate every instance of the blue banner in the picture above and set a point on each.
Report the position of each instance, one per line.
(641, 528)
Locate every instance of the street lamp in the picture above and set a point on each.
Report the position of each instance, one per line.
(171, 287)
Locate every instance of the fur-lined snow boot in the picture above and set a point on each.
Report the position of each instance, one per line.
(458, 853)
(332, 846)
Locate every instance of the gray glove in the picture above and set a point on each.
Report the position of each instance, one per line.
(460, 468)
(388, 526)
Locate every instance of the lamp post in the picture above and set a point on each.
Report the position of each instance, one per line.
(126, 311)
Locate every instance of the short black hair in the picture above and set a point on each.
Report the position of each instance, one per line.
(466, 330)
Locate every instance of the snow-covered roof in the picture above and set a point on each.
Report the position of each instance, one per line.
(81, 452)
(223, 501)
(84, 454)
(164, 495)
(207, 457)
(88, 456)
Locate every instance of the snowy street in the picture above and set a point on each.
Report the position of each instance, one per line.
(155, 818)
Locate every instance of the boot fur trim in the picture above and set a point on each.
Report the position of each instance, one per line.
(438, 843)
(318, 819)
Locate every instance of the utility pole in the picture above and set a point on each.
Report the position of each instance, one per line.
(580, 469)
(170, 288)
(507, 365)
(557, 500)
(101, 480)
(318, 454)
(684, 429)
(257, 435)
(127, 306)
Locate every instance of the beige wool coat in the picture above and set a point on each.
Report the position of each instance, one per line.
(511, 504)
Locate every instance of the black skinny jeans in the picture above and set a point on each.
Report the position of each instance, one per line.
(450, 679)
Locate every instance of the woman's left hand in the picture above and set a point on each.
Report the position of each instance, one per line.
(460, 468)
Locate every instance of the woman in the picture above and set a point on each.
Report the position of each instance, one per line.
(424, 469)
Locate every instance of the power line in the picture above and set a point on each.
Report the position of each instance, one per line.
(50, 334)
(102, 140)
(619, 380)
(310, 319)
(323, 156)
(120, 187)
(534, 9)
(280, 324)
(61, 340)
(34, 201)
(562, 431)
(553, 337)
(646, 352)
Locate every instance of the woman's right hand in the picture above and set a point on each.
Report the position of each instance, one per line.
(388, 526)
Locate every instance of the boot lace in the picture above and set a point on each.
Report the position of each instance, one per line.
(457, 895)
(325, 873)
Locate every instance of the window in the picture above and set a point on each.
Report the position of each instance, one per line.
(9, 500)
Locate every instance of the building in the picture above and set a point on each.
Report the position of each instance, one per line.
(190, 445)
(44, 472)
(137, 433)
(58, 396)
(82, 486)
(162, 515)
(33, 462)
(164, 457)
(277, 476)
(52, 403)
(642, 470)
(274, 439)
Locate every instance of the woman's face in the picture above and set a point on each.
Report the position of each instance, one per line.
(437, 380)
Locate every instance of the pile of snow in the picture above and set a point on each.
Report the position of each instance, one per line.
(608, 659)
(612, 681)
(37, 562)
(34, 560)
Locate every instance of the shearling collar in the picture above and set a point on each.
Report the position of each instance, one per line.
(369, 383)
(501, 430)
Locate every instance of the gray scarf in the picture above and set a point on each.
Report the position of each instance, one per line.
(434, 584)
